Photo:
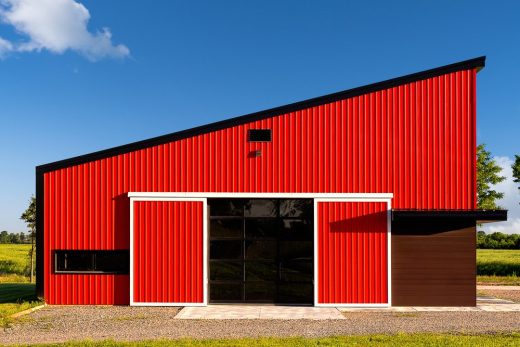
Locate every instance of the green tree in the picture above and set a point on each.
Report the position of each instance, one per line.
(487, 174)
(14, 238)
(29, 217)
(4, 237)
(516, 170)
(498, 240)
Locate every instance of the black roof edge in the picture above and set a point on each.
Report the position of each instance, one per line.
(477, 63)
(477, 215)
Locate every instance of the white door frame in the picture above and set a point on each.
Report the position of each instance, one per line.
(203, 196)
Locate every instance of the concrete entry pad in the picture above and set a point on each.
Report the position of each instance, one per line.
(484, 304)
(487, 287)
(259, 312)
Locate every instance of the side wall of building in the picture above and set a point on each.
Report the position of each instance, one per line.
(434, 263)
(416, 140)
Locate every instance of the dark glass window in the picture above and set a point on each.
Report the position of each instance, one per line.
(226, 228)
(296, 208)
(262, 228)
(261, 250)
(296, 271)
(296, 250)
(226, 271)
(226, 207)
(261, 271)
(259, 135)
(260, 291)
(75, 261)
(114, 262)
(261, 208)
(296, 229)
(289, 293)
(225, 249)
(226, 292)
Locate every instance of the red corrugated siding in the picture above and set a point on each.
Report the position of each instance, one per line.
(352, 253)
(72, 210)
(163, 229)
(416, 141)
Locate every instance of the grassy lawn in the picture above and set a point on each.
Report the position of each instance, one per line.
(501, 280)
(16, 294)
(369, 340)
(501, 266)
(16, 297)
(14, 263)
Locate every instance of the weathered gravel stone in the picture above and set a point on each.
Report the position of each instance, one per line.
(64, 323)
(513, 295)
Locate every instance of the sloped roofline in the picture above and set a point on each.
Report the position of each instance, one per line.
(477, 63)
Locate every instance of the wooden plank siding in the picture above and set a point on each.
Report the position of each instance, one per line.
(434, 263)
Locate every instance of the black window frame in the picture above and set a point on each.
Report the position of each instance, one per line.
(259, 135)
(93, 254)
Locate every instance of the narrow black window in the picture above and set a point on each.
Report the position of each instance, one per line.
(109, 262)
(259, 135)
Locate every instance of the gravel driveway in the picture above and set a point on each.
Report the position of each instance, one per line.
(62, 323)
(512, 295)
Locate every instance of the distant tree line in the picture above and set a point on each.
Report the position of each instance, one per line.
(488, 175)
(6, 237)
(498, 240)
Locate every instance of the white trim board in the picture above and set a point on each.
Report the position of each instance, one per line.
(317, 197)
(204, 252)
(364, 196)
(168, 304)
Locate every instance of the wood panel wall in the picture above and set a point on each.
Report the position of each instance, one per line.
(434, 263)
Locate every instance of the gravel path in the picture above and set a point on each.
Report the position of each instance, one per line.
(513, 295)
(62, 323)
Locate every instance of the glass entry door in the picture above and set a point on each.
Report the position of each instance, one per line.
(261, 250)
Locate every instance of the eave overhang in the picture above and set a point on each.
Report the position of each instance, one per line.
(479, 216)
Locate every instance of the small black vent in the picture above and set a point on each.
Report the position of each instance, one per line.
(259, 135)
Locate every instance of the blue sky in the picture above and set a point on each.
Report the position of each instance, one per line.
(80, 78)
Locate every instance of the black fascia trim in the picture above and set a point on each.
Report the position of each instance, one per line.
(39, 234)
(477, 63)
(477, 215)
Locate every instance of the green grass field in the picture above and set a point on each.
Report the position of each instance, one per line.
(16, 297)
(498, 266)
(16, 294)
(14, 263)
(368, 340)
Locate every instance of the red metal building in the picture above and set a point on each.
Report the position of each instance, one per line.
(362, 197)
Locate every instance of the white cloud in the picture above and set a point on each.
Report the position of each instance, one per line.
(5, 47)
(56, 26)
(509, 202)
